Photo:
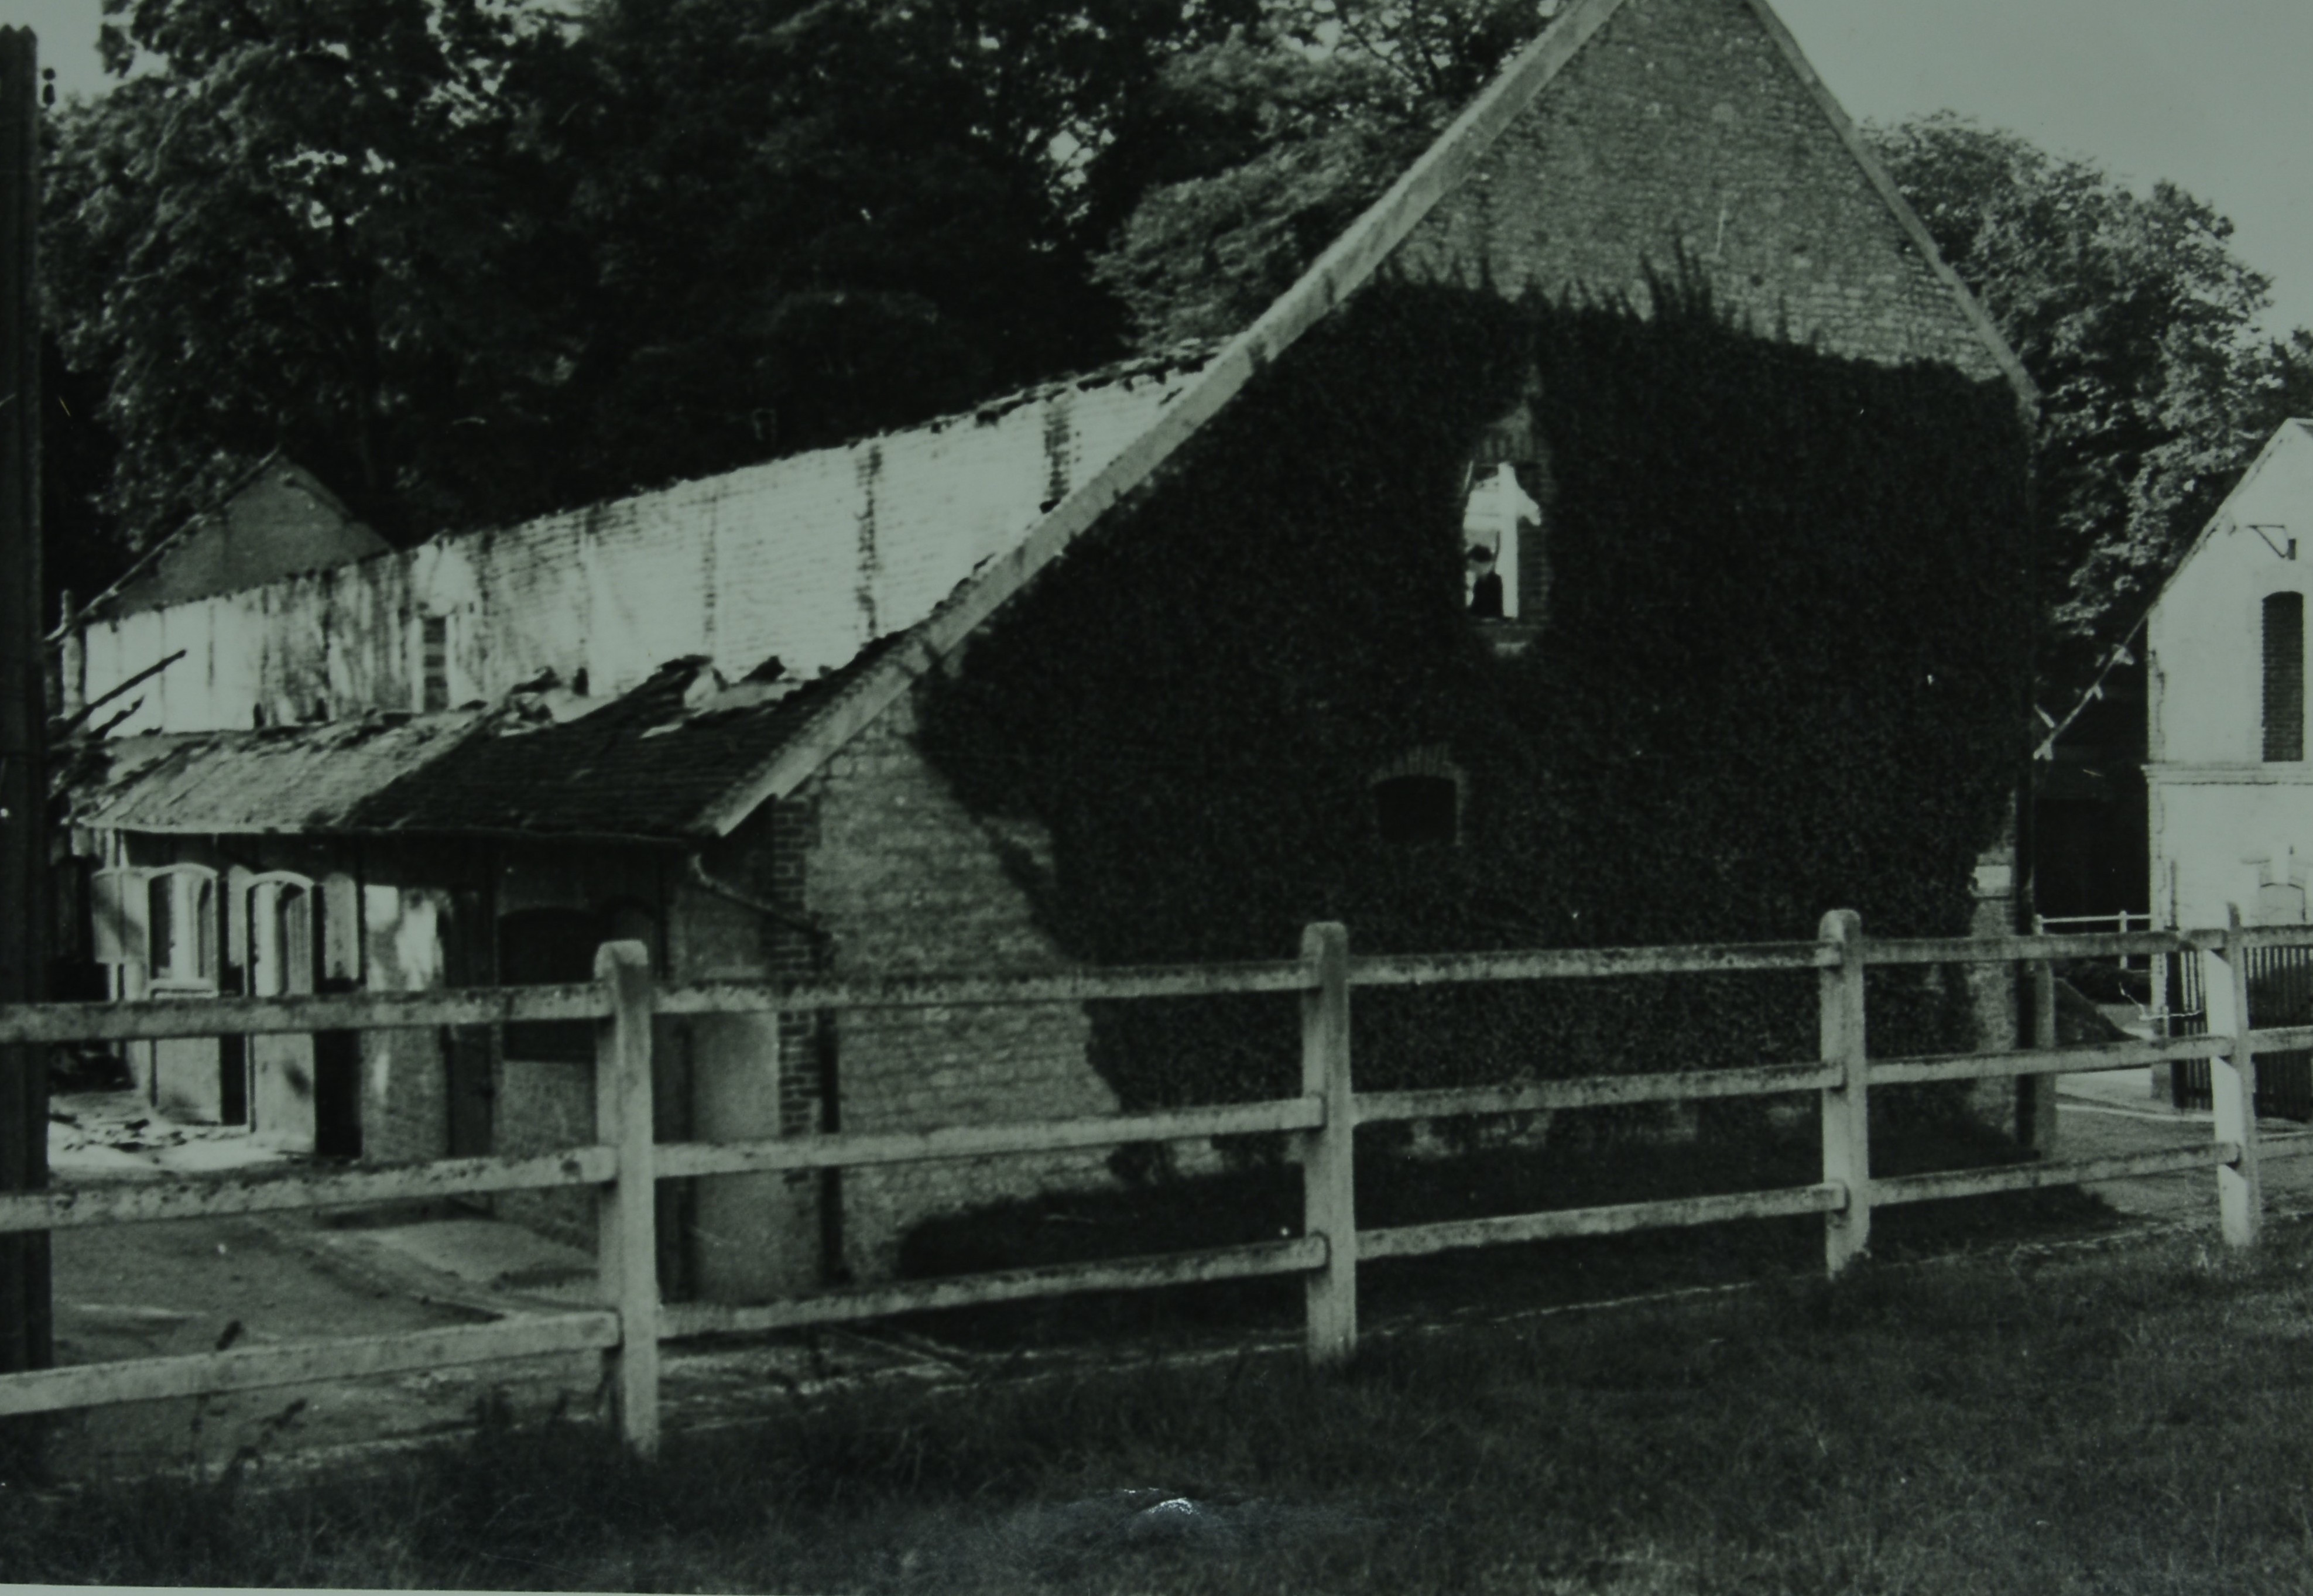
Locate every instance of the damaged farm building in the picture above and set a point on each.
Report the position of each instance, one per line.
(1615, 537)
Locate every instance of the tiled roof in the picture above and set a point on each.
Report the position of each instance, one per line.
(644, 765)
(288, 778)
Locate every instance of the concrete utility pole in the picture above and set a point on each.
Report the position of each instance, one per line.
(25, 1326)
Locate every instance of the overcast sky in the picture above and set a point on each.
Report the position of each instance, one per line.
(2211, 95)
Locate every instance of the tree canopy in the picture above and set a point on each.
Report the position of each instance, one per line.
(280, 235)
(2139, 325)
(471, 260)
(1280, 135)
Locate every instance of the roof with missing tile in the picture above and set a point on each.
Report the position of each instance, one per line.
(644, 765)
(292, 779)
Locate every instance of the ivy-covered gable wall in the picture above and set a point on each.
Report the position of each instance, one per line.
(1780, 672)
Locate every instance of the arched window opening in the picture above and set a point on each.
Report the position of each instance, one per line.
(1492, 517)
(284, 948)
(2284, 676)
(1410, 809)
(180, 929)
(1417, 799)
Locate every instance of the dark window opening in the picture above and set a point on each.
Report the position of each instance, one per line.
(543, 946)
(1410, 809)
(435, 635)
(181, 911)
(2284, 675)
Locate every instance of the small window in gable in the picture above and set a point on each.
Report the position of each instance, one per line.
(1504, 575)
(2284, 705)
(1492, 517)
(434, 663)
(1418, 800)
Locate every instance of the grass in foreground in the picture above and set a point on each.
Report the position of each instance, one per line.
(2117, 1422)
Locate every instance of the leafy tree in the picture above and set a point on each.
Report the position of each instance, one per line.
(2139, 324)
(272, 237)
(1280, 135)
(795, 222)
(471, 262)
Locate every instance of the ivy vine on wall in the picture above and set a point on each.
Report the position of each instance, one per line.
(1780, 672)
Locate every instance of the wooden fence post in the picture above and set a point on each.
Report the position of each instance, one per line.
(1847, 1107)
(626, 1243)
(1328, 1159)
(2232, 1087)
(2035, 1095)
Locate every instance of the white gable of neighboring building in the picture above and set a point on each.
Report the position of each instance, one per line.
(2230, 788)
(809, 558)
(2207, 630)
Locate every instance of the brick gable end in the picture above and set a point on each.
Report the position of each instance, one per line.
(1681, 127)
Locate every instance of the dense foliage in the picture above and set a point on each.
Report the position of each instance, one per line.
(1281, 135)
(469, 259)
(2139, 325)
(1782, 672)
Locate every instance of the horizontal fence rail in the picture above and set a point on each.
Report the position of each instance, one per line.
(1251, 1261)
(268, 1368)
(1406, 1241)
(976, 1141)
(277, 1191)
(624, 1167)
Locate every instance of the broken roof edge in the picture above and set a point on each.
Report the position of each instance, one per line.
(1186, 355)
(1875, 173)
(1346, 265)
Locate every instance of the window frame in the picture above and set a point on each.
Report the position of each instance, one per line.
(2280, 682)
(190, 962)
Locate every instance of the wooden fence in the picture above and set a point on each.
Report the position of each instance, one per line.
(623, 1164)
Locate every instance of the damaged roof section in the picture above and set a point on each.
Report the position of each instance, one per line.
(544, 763)
(298, 778)
(644, 765)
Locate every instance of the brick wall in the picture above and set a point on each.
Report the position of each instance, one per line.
(1680, 125)
(807, 558)
(905, 880)
(752, 1076)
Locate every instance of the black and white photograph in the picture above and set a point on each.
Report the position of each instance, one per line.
(1293, 797)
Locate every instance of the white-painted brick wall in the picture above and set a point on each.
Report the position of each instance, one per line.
(806, 557)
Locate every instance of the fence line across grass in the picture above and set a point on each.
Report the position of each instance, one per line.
(624, 1164)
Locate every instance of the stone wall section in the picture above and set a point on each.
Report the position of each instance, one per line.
(903, 879)
(1681, 127)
